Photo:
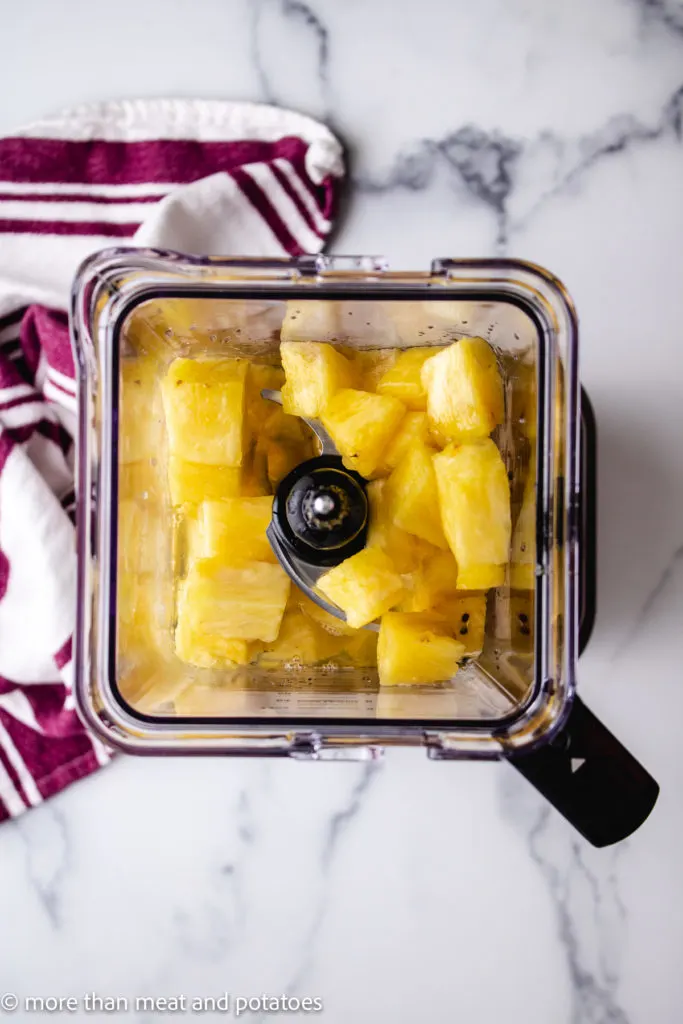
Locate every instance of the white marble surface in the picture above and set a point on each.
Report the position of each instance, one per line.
(411, 891)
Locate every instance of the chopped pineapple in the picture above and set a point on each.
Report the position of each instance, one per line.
(255, 482)
(361, 649)
(364, 586)
(414, 427)
(234, 530)
(370, 365)
(474, 497)
(140, 412)
(235, 603)
(415, 649)
(323, 618)
(256, 408)
(466, 617)
(480, 577)
(361, 426)
(192, 482)
(302, 641)
(143, 613)
(464, 391)
(140, 539)
(523, 552)
(406, 551)
(315, 372)
(404, 381)
(208, 650)
(412, 497)
(204, 406)
(141, 481)
(440, 575)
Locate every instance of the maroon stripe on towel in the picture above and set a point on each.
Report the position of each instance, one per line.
(261, 203)
(98, 162)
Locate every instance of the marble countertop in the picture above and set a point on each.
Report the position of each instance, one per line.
(410, 891)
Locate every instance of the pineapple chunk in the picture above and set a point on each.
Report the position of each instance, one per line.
(361, 649)
(415, 649)
(140, 539)
(192, 482)
(256, 408)
(364, 586)
(412, 497)
(370, 365)
(255, 483)
(143, 614)
(474, 497)
(480, 577)
(406, 551)
(315, 372)
(234, 530)
(440, 575)
(208, 650)
(140, 412)
(414, 427)
(323, 618)
(140, 481)
(235, 603)
(361, 426)
(404, 381)
(464, 391)
(523, 553)
(466, 617)
(301, 641)
(204, 406)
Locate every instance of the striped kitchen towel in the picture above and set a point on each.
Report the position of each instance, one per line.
(196, 176)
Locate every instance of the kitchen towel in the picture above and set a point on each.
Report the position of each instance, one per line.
(206, 177)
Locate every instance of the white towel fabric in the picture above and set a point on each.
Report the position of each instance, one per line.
(204, 177)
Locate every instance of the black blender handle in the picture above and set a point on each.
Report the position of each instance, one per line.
(591, 779)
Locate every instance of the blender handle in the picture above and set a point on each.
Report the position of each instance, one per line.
(591, 779)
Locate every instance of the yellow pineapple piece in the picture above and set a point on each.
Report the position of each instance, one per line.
(404, 379)
(405, 550)
(255, 482)
(314, 373)
(363, 586)
(235, 603)
(474, 497)
(141, 539)
(466, 617)
(329, 622)
(464, 391)
(192, 482)
(412, 496)
(208, 650)
(523, 551)
(302, 641)
(440, 575)
(361, 649)
(256, 408)
(234, 530)
(416, 649)
(204, 406)
(414, 427)
(370, 365)
(481, 577)
(143, 614)
(361, 426)
(140, 412)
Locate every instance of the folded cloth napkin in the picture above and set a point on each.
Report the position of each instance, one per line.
(197, 176)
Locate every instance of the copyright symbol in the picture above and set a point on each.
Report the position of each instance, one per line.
(9, 1002)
